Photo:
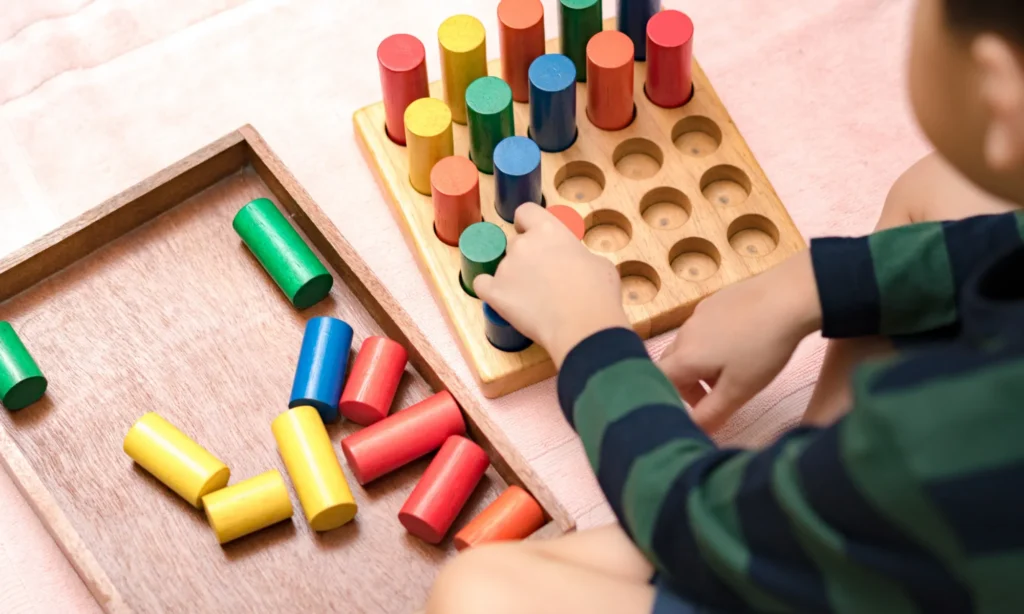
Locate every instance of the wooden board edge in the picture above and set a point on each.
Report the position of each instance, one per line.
(394, 320)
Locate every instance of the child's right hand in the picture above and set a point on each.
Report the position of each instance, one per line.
(740, 338)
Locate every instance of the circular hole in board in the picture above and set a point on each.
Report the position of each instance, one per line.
(697, 136)
(607, 231)
(753, 235)
(638, 158)
(579, 181)
(640, 282)
(725, 185)
(694, 259)
(665, 208)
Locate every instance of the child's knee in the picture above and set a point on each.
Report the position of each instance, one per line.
(472, 583)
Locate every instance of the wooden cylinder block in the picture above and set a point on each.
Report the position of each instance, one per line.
(455, 186)
(481, 246)
(633, 17)
(283, 253)
(517, 176)
(247, 507)
(553, 102)
(374, 380)
(489, 109)
(610, 91)
(21, 381)
(514, 515)
(501, 334)
(521, 38)
(463, 43)
(428, 135)
(402, 62)
(321, 368)
(313, 467)
(443, 490)
(175, 459)
(580, 20)
(669, 59)
(403, 437)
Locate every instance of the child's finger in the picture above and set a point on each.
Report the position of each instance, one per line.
(715, 409)
(483, 286)
(529, 215)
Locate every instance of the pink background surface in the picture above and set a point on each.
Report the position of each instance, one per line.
(98, 94)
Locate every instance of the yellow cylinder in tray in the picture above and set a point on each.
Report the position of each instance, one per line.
(314, 468)
(428, 137)
(175, 459)
(247, 507)
(463, 43)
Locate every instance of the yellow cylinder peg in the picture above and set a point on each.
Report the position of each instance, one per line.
(314, 468)
(463, 42)
(175, 459)
(428, 136)
(247, 507)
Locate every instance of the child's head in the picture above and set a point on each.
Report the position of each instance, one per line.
(967, 88)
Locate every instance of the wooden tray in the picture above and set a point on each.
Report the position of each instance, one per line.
(151, 302)
(676, 200)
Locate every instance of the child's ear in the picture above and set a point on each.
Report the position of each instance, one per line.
(1001, 72)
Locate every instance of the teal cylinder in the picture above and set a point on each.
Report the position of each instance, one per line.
(481, 246)
(489, 109)
(284, 255)
(21, 381)
(579, 21)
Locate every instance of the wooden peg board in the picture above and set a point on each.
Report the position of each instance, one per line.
(676, 200)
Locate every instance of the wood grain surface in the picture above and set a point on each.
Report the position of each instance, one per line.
(676, 200)
(176, 316)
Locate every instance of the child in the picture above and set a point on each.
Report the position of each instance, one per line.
(911, 502)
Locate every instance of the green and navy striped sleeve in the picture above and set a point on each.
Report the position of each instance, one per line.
(909, 504)
(905, 280)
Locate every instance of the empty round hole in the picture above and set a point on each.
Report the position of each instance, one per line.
(697, 136)
(579, 181)
(753, 235)
(607, 231)
(725, 185)
(640, 282)
(665, 208)
(638, 158)
(694, 259)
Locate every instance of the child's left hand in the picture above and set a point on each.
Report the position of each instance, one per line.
(552, 288)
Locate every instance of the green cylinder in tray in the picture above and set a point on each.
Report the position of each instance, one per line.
(489, 108)
(580, 20)
(21, 381)
(283, 253)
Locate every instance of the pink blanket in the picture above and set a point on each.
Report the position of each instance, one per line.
(98, 94)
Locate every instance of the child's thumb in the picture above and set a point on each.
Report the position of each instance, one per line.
(483, 287)
(715, 409)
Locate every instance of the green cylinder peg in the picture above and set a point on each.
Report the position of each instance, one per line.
(482, 246)
(21, 381)
(489, 108)
(284, 255)
(580, 20)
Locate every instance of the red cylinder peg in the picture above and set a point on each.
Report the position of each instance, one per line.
(610, 80)
(443, 490)
(521, 36)
(403, 437)
(403, 78)
(373, 382)
(572, 220)
(455, 186)
(669, 59)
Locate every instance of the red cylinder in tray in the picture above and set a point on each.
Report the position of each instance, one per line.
(402, 61)
(443, 490)
(669, 59)
(373, 382)
(403, 437)
(610, 80)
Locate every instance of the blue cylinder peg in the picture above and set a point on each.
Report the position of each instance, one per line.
(553, 102)
(633, 18)
(321, 370)
(501, 334)
(516, 175)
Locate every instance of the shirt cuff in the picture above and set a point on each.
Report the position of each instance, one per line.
(596, 352)
(847, 287)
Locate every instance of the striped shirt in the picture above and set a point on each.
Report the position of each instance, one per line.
(914, 502)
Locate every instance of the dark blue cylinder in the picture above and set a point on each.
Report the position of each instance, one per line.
(553, 102)
(633, 18)
(321, 370)
(501, 334)
(516, 175)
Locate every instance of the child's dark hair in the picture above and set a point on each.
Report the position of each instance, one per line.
(1004, 17)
